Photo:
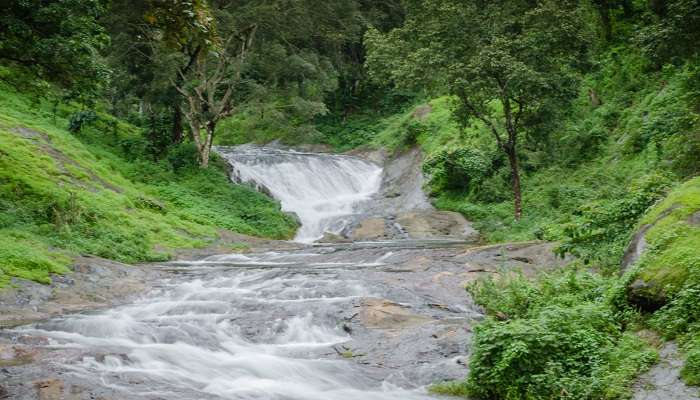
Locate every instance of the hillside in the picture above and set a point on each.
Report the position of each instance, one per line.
(96, 192)
(567, 126)
(609, 171)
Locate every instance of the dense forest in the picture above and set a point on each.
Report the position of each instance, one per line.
(571, 121)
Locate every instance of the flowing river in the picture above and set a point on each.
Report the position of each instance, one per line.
(353, 321)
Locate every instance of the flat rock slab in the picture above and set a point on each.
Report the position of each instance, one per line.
(436, 224)
(416, 225)
(384, 314)
(94, 283)
(403, 307)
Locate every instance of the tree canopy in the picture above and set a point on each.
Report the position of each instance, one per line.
(506, 66)
(59, 40)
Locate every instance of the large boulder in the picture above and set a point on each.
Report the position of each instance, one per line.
(420, 224)
(436, 224)
(665, 251)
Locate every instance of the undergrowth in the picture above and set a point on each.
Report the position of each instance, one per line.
(562, 335)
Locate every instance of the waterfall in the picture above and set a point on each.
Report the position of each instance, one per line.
(323, 190)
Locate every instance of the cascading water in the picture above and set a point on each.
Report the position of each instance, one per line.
(322, 189)
(256, 327)
(360, 321)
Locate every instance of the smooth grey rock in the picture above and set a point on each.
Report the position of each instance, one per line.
(694, 219)
(663, 381)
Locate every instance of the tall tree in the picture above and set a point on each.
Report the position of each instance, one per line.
(504, 62)
(210, 87)
(675, 33)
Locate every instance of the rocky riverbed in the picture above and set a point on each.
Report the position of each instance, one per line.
(375, 320)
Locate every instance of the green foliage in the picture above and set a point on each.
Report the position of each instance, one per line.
(557, 337)
(202, 197)
(81, 118)
(58, 40)
(24, 256)
(457, 169)
(346, 134)
(509, 68)
(680, 319)
(671, 264)
(99, 193)
(691, 370)
(674, 32)
(601, 229)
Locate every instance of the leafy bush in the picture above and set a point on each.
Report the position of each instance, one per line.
(81, 119)
(601, 229)
(557, 337)
(691, 370)
(456, 169)
(183, 156)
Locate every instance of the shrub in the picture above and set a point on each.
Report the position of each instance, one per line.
(81, 119)
(183, 156)
(456, 169)
(558, 337)
(601, 229)
(691, 370)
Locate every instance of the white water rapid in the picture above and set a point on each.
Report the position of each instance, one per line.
(322, 189)
(259, 327)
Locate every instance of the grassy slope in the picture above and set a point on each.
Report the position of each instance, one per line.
(674, 242)
(62, 194)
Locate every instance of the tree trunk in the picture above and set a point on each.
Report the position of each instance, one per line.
(204, 157)
(177, 131)
(515, 181)
(604, 11)
(202, 152)
(628, 8)
(659, 7)
(205, 150)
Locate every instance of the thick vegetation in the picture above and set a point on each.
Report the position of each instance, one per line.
(593, 172)
(559, 337)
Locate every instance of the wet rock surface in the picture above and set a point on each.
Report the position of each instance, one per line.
(663, 381)
(388, 318)
(93, 283)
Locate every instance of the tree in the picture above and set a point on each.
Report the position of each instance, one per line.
(210, 86)
(675, 33)
(504, 62)
(605, 11)
(58, 40)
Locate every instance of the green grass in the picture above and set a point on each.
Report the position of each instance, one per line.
(64, 194)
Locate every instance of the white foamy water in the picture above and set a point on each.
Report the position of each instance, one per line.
(224, 334)
(322, 189)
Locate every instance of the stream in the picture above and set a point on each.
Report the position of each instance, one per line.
(363, 320)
